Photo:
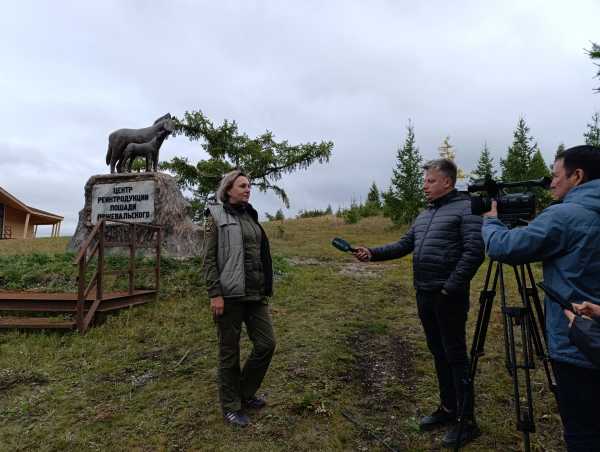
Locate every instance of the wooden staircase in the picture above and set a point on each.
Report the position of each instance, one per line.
(78, 310)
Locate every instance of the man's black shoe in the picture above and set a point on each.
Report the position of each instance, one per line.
(438, 418)
(255, 403)
(236, 418)
(469, 433)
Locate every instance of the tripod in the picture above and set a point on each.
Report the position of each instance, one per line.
(529, 318)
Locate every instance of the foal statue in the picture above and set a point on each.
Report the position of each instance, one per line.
(119, 139)
(148, 150)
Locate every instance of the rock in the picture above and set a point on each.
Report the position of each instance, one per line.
(116, 194)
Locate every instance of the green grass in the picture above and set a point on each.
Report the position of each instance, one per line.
(349, 341)
(28, 246)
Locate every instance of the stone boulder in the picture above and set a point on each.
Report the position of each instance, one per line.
(151, 198)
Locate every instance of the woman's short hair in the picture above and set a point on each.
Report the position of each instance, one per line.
(445, 166)
(226, 183)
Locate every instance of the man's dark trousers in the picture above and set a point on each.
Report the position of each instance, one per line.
(444, 319)
(237, 384)
(579, 406)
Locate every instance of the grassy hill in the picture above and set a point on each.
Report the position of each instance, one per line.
(350, 345)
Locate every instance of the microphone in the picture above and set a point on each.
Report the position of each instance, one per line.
(342, 245)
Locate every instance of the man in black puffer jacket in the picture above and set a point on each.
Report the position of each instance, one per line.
(447, 248)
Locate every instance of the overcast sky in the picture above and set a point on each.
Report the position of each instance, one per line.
(353, 72)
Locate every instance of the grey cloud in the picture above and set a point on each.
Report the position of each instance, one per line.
(346, 71)
(14, 157)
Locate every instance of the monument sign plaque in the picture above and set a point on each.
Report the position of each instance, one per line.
(142, 198)
(129, 201)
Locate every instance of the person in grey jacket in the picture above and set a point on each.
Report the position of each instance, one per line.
(239, 278)
(447, 248)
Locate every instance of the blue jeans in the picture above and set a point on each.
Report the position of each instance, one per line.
(579, 406)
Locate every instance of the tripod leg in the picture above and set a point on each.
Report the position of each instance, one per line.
(541, 354)
(531, 340)
(486, 300)
(537, 323)
(528, 364)
(539, 312)
(517, 317)
(540, 325)
(508, 338)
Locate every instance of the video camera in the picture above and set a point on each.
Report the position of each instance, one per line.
(514, 209)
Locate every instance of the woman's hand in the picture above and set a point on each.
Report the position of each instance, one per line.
(587, 308)
(217, 306)
(362, 254)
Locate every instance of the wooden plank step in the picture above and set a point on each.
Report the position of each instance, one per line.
(125, 295)
(65, 296)
(36, 323)
(66, 302)
(38, 296)
(124, 302)
(128, 244)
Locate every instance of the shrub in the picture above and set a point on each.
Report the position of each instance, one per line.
(314, 213)
(277, 217)
(352, 215)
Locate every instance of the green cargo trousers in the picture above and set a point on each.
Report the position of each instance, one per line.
(236, 385)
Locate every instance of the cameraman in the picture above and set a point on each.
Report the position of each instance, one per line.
(448, 250)
(566, 238)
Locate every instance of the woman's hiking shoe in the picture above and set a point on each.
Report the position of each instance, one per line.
(236, 418)
(469, 433)
(438, 418)
(255, 403)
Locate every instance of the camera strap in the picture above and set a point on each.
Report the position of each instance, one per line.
(554, 296)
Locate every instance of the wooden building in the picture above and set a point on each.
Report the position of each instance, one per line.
(19, 221)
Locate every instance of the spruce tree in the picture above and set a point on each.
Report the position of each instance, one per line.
(373, 198)
(537, 169)
(592, 135)
(279, 216)
(407, 182)
(389, 202)
(594, 54)
(559, 149)
(485, 165)
(518, 160)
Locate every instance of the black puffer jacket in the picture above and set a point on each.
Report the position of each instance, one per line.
(447, 245)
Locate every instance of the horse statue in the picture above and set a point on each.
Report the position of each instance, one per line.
(119, 139)
(148, 150)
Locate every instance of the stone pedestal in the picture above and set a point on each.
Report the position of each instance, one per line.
(150, 198)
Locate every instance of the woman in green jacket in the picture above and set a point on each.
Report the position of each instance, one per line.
(239, 278)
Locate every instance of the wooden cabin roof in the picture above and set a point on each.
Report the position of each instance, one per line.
(37, 216)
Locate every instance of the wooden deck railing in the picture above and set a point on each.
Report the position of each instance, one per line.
(94, 246)
(6, 233)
